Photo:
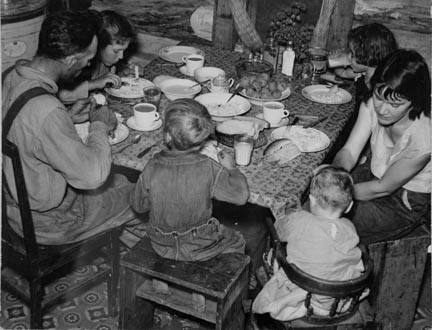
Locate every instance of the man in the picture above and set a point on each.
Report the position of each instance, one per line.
(71, 194)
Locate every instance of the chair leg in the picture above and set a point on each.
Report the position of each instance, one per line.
(114, 274)
(36, 295)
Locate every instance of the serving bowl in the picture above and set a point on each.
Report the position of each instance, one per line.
(176, 88)
(219, 109)
(207, 73)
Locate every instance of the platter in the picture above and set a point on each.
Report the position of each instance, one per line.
(258, 101)
(306, 139)
(132, 88)
(326, 95)
(120, 134)
(215, 104)
(175, 53)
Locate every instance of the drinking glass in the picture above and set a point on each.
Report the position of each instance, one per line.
(152, 94)
(318, 59)
(243, 147)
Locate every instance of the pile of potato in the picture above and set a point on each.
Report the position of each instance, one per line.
(262, 86)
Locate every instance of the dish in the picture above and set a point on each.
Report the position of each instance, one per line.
(176, 53)
(131, 123)
(207, 72)
(283, 122)
(258, 101)
(184, 71)
(179, 88)
(132, 88)
(215, 104)
(306, 139)
(324, 94)
(120, 134)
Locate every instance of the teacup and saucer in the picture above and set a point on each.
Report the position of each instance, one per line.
(145, 118)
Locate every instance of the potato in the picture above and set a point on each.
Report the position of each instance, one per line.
(276, 94)
(244, 82)
(272, 85)
(265, 76)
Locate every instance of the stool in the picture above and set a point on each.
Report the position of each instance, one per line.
(399, 266)
(211, 290)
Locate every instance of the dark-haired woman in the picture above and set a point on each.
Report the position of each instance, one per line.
(114, 37)
(392, 192)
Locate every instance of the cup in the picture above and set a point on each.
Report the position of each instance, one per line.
(318, 59)
(243, 146)
(193, 62)
(152, 94)
(145, 114)
(274, 112)
(220, 84)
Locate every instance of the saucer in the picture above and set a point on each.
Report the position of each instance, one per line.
(283, 122)
(131, 123)
(184, 71)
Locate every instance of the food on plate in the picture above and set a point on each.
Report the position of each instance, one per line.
(328, 95)
(262, 86)
(99, 98)
(242, 126)
(221, 110)
(281, 152)
(307, 139)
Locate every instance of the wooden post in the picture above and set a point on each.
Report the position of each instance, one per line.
(223, 25)
(320, 34)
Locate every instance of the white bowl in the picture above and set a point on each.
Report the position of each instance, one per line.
(219, 109)
(176, 88)
(207, 72)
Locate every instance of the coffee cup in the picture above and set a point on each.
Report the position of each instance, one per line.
(274, 112)
(220, 84)
(193, 62)
(145, 115)
(243, 147)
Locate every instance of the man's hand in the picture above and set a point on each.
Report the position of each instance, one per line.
(226, 160)
(79, 111)
(105, 115)
(110, 79)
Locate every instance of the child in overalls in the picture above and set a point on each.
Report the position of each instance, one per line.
(178, 184)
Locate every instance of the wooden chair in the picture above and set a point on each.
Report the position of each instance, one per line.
(337, 290)
(40, 264)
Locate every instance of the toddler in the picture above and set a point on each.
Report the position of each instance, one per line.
(178, 184)
(320, 242)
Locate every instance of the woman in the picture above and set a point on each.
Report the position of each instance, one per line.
(392, 192)
(114, 36)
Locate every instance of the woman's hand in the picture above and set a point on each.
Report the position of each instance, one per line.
(79, 111)
(109, 78)
(226, 160)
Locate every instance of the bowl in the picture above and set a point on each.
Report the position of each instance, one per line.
(207, 73)
(176, 88)
(253, 68)
(219, 109)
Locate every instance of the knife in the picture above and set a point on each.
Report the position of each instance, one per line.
(146, 150)
(313, 124)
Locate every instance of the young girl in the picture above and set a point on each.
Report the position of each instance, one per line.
(114, 36)
(178, 184)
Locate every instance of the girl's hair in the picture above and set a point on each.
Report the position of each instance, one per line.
(114, 28)
(332, 188)
(371, 43)
(404, 74)
(188, 123)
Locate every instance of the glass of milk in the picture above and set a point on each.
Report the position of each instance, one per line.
(243, 146)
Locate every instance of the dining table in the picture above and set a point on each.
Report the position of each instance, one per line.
(271, 186)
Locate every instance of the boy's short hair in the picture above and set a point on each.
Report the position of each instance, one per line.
(188, 123)
(332, 188)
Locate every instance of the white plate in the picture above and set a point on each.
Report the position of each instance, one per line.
(283, 122)
(237, 105)
(306, 139)
(321, 94)
(120, 134)
(133, 90)
(258, 101)
(176, 53)
(131, 123)
(184, 71)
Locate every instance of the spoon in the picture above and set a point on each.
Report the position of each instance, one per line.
(135, 139)
(237, 90)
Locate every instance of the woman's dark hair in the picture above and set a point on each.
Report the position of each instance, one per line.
(371, 43)
(405, 74)
(114, 28)
(66, 33)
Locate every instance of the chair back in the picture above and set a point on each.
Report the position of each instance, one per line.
(10, 150)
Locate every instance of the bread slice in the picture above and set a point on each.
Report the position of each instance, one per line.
(242, 125)
(281, 152)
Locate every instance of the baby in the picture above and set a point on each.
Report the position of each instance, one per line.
(178, 184)
(321, 243)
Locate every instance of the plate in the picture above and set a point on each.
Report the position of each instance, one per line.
(283, 122)
(228, 140)
(176, 53)
(306, 139)
(237, 105)
(323, 94)
(120, 134)
(132, 90)
(131, 123)
(258, 101)
(184, 71)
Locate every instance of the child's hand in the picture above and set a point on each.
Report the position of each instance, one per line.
(226, 160)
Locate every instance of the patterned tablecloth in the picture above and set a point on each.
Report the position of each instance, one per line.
(270, 186)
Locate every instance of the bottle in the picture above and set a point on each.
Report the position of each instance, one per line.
(288, 58)
(269, 52)
(280, 51)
